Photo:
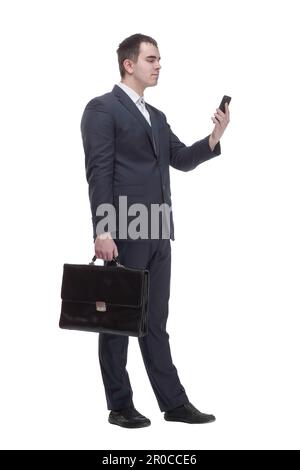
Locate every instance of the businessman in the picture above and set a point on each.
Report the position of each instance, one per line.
(129, 147)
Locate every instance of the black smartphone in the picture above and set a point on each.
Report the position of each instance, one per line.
(225, 99)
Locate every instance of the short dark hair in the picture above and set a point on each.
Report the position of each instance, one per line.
(130, 48)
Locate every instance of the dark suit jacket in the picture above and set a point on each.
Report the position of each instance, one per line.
(126, 156)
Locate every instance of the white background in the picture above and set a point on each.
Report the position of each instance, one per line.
(234, 308)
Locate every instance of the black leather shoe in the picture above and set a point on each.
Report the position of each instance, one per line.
(128, 418)
(187, 413)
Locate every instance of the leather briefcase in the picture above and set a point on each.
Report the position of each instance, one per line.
(109, 299)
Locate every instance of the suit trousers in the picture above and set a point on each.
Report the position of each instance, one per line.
(154, 255)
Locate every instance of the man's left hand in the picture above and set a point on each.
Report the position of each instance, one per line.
(221, 121)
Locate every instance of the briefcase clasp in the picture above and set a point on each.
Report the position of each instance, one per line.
(101, 306)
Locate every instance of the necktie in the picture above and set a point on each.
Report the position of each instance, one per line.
(142, 107)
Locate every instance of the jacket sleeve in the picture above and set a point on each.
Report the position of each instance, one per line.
(186, 158)
(98, 136)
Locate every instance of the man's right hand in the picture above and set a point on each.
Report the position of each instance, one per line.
(105, 247)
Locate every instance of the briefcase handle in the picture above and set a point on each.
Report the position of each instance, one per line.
(115, 261)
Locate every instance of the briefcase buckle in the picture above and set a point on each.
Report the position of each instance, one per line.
(101, 306)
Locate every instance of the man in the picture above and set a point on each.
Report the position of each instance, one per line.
(129, 147)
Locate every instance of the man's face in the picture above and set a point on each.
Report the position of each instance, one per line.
(146, 69)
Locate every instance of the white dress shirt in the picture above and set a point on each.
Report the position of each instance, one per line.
(137, 99)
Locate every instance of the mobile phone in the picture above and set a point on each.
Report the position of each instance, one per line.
(225, 99)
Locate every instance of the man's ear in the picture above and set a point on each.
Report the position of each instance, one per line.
(127, 64)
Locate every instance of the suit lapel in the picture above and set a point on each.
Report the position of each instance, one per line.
(152, 132)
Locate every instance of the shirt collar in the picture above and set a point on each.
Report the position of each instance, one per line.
(130, 92)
